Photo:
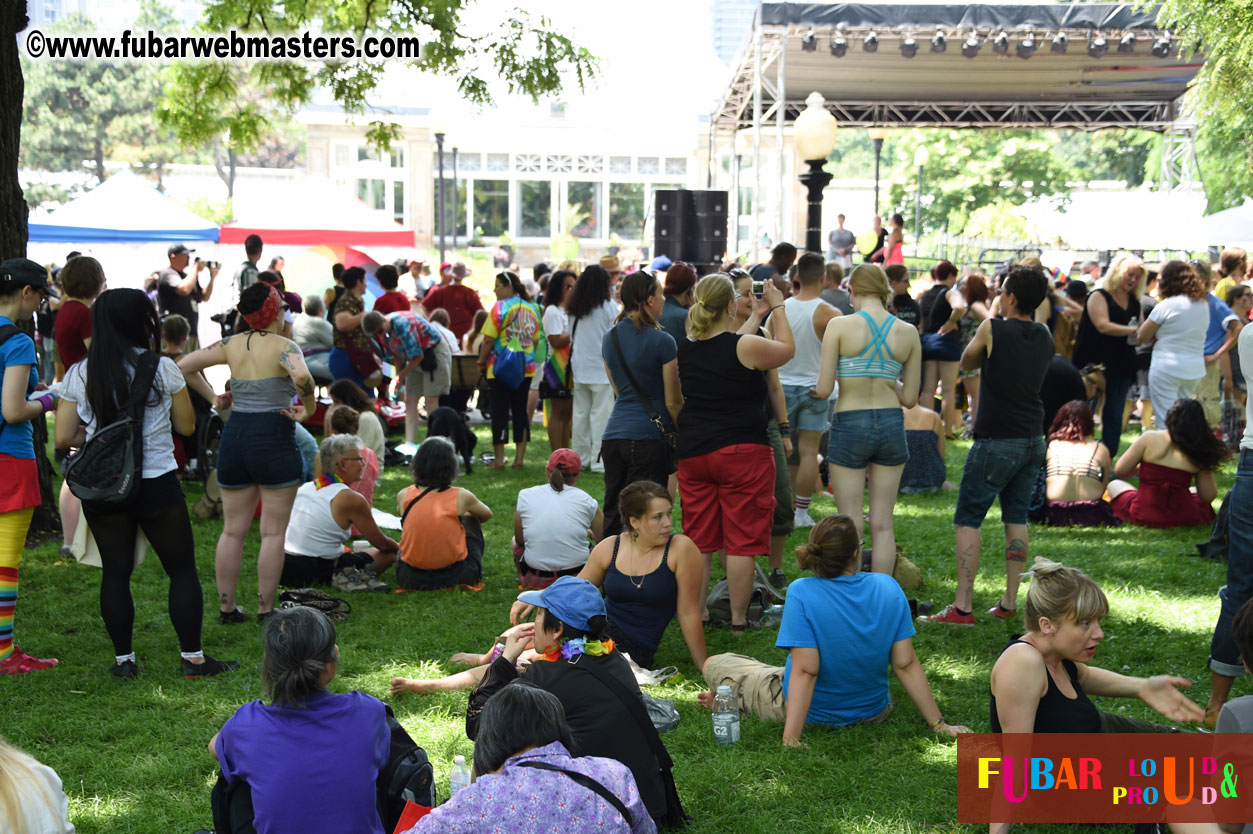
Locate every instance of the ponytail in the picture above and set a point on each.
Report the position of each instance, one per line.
(557, 479)
(713, 294)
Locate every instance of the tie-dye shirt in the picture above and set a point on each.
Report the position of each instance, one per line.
(513, 324)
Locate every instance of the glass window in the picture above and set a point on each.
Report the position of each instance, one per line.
(535, 204)
(373, 193)
(583, 209)
(398, 201)
(626, 209)
(467, 163)
(398, 156)
(647, 165)
(559, 164)
(366, 153)
(590, 164)
(498, 162)
(529, 163)
(454, 204)
(619, 164)
(676, 165)
(491, 206)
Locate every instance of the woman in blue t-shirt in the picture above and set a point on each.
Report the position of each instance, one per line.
(634, 448)
(842, 628)
(309, 761)
(23, 284)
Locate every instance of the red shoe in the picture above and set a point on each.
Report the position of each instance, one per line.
(20, 663)
(1002, 613)
(950, 615)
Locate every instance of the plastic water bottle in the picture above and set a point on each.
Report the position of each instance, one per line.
(460, 776)
(772, 616)
(726, 717)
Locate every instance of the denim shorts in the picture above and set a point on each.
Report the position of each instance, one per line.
(1007, 467)
(259, 449)
(804, 413)
(869, 435)
(946, 348)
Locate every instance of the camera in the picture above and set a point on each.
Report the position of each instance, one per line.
(759, 288)
(214, 264)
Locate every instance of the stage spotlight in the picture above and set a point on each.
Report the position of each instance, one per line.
(1162, 46)
(809, 43)
(1127, 44)
(1059, 44)
(1001, 45)
(839, 46)
(1026, 47)
(1097, 47)
(870, 43)
(970, 46)
(939, 43)
(909, 47)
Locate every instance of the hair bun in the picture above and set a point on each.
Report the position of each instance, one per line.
(1043, 567)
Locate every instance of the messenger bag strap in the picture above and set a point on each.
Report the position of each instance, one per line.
(635, 706)
(141, 385)
(409, 506)
(587, 782)
(635, 386)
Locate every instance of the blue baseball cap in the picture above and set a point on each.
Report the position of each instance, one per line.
(572, 600)
(660, 264)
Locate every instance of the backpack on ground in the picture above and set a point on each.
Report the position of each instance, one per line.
(407, 776)
(110, 465)
(334, 607)
(763, 596)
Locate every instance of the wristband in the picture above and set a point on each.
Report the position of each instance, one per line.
(785, 427)
(48, 402)
(775, 307)
(935, 725)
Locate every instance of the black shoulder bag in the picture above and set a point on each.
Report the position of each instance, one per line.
(409, 506)
(675, 816)
(587, 782)
(668, 435)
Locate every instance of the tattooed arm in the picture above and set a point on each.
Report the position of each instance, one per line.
(293, 361)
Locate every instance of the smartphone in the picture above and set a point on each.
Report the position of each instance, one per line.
(759, 288)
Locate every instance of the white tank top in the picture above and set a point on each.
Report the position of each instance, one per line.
(312, 530)
(802, 368)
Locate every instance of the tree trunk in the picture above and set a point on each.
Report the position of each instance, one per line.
(13, 230)
(230, 183)
(98, 155)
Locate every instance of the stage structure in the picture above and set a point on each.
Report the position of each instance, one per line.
(1081, 66)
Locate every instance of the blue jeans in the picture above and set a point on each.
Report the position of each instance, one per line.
(1116, 390)
(1003, 466)
(868, 435)
(341, 367)
(1224, 656)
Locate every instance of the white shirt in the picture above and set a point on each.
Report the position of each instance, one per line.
(556, 322)
(1179, 348)
(555, 525)
(312, 332)
(450, 338)
(34, 789)
(802, 368)
(589, 334)
(158, 430)
(312, 530)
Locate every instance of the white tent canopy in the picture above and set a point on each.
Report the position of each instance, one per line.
(125, 208)
(1233, 227)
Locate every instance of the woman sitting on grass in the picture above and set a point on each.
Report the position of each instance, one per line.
(31, 796)
(842, 628)
(371, 431)
(344, 419)
(309, 760)
(441, 540)
(1167, 462)
(552, 523)
(925, 471)
(1076, 471)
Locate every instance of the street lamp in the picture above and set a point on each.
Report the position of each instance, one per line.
(815, 139)
(456, 211)
(877, 135)
(921, 158)
(439, 158)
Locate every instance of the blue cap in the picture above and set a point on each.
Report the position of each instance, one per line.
(572, 600)
(660, 264)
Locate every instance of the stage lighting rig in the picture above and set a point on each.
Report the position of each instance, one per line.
(1097, 46)
(839, 45)
(909, 47)
(1001, 44)
(1026, 46)
(809, 43)
(1127, 44)
(870, 43)
(939, 43)
(1162, 46)
(970, 46)
(1058, 46)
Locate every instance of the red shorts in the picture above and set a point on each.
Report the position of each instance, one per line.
(728, 499)
(21, 483)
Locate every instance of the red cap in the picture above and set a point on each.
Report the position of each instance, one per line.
(445, 266)
(567, 460)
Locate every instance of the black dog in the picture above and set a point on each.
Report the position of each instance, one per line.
(447, 422)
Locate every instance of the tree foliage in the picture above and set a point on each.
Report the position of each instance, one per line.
(207, 100)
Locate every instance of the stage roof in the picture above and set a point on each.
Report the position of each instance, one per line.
(1071, 89)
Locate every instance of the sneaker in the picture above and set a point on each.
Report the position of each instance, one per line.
(778, 579)
(950, 615)
(1002, 613)
(232, 617)
(802, 519)
(376, 584)
(350, 579)
(19, 663)
(210, 667)
(126, 670)
(66, 552)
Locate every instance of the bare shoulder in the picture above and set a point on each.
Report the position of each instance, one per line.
(1021, 666)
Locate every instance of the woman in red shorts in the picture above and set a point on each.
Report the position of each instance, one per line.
(1167, 462)
(726, 463)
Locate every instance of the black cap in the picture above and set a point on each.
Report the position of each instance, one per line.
(16, 271)
(178, 249)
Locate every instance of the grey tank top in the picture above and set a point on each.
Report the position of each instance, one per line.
(272, 393)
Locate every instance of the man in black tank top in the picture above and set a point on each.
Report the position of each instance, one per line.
(1009, 448)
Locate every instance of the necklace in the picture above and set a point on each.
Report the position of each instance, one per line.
(639, 586)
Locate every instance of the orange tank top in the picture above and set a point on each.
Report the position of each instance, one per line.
(432, 536)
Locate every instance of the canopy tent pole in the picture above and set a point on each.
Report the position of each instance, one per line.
(780, 115)
(757, 47)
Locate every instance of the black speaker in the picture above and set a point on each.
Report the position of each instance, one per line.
(690, 225)
(670, 233)
(709, 202)
(705, 250)
(672, 201)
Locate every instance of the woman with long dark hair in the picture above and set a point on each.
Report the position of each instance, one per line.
(591, 311)
(126, 334)
(1167, 463)
(634, 446)
(352, 358)
(510, 335)
(555, 388)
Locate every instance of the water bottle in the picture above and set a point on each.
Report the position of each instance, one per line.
(459, 777)
(726, 717)
(772, 616)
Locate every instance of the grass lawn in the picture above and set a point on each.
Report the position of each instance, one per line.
(133, 754)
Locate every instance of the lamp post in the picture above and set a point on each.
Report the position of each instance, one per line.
(921, 158)
(439, 160)
(454, 200)
(815, 139)
(877, 135)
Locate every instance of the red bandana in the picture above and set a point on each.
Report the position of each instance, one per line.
(268, 312)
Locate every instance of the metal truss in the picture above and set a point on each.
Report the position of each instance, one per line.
(1180, 171)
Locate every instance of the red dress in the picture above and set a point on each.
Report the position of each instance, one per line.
(1163, 500)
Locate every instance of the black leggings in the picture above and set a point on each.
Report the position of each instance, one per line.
(504, 401)
(160, 510)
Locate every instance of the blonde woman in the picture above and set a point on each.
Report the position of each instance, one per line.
(868, 354)
(32, 800)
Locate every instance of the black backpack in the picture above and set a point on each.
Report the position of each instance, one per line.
(110, 465)
(407, 776)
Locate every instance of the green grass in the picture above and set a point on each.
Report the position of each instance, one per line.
(133, 754)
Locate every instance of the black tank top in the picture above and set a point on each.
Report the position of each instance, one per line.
(1009, 396)
(1056, 713)
(1093, 346)
(641, 610)
(724, 403)
(935, 308)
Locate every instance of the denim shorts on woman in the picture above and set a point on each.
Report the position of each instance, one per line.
(946, 348)
(259, 449)
(868, 435)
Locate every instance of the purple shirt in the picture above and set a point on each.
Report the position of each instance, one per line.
(312, 768)
(527, 800)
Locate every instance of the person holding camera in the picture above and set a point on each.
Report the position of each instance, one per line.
(180, 293)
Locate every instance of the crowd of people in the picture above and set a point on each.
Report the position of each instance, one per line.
(740, 395)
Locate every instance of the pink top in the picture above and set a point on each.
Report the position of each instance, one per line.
(369, 477)
(897, 255)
